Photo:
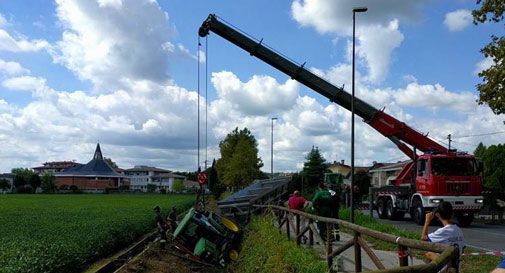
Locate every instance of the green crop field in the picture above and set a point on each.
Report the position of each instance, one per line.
(62, 233)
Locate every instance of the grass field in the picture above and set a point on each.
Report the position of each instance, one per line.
(264, 249)
(62, 233)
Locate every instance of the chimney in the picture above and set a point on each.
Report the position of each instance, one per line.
(342, 162)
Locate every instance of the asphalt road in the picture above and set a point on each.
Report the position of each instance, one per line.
(478, 235)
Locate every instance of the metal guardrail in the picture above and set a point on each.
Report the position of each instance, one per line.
(448, 257)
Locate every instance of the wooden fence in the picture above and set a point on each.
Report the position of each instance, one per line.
(448, 257)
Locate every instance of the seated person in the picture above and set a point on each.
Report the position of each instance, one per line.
(449, 234)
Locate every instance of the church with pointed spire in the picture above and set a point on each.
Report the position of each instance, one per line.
(95, 176)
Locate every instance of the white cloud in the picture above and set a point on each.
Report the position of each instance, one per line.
(20, 44)
(258, 96)
(329, 16)
(483, 65)
(378, 32)
(12, 68)
(110, 41)
(376, 44)
(3, 21)
(458, 20)
(435, 97)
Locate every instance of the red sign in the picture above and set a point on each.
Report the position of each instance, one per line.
(202, 178)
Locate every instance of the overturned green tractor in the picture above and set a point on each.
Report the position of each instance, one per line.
(208, 237)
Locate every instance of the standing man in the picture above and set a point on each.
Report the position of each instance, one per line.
(449, 234)
(296, 201)
(172, 219)
(322, 205)
(162, 227)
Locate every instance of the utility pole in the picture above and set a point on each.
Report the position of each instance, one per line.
(449, 138)
(272, 150)
(354, 10)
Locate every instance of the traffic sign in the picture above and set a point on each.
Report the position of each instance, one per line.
(202, 178)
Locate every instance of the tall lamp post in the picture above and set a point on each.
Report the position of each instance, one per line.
(272, 150)
(354, 11)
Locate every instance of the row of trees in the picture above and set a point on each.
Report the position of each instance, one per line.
(494, 171)
(27, 181)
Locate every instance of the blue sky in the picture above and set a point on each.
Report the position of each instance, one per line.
(124, 73)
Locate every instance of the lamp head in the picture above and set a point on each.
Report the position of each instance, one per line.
(360, 9)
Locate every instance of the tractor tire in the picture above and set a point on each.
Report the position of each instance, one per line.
(418, 212)
(465, 220)
(381, 208)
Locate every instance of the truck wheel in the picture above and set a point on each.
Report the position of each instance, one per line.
(465, 220)
(390, 210)
(418, 212)
(381, 209)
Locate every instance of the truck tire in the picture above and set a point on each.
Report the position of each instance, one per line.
(381, 208)
(464, 220)
(392, 212)
(418, 212)
(390, 209)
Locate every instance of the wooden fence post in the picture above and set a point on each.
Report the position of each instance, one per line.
(311, 233)
(287, 226)
(297, 229)
(403, 255)
(329, 249)
(357, 252)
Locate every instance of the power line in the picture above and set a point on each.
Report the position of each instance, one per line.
(484, 134)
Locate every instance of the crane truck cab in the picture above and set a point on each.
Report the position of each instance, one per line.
(452, 177)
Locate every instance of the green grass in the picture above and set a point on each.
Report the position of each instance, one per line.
(469, 264)
(265, 250)
(63, 233)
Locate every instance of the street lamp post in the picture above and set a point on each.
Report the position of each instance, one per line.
(354, 11)
(272, 150)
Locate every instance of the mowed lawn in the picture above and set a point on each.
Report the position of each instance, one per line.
(62, 233)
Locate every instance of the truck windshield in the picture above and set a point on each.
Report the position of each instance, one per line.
(454, 166)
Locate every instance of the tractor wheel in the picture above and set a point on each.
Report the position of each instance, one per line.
(418, 213)
(381, 209)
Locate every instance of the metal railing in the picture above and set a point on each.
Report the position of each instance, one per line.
(447, 259)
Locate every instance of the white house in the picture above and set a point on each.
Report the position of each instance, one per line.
(383, 173)
(141, 176)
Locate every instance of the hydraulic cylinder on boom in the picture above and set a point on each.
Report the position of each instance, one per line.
(435, 176)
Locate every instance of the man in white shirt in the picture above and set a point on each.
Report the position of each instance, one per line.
(449, 234)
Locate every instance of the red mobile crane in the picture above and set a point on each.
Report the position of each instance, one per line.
(435, 176)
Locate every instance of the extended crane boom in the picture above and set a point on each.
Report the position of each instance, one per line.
(397, 131)
(437, 175)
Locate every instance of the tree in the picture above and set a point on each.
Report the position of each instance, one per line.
(178, 186)
(215, 185)
(35, 181)
(239, 164)
(492, 88)
(151, 187)
(22, 178)
(111, 163)
(48, 185)
(494, 174)
(4, 184)
(363, 182)
(480, 150)
(314, 168)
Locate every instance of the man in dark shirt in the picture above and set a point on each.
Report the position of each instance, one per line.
(172, 219)
(162, 227)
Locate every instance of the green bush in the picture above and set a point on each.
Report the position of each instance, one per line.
(265, 250)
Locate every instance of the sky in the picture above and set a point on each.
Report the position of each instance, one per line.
(125, 73)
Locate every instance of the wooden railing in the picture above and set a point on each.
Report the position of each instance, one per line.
(448, 257)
